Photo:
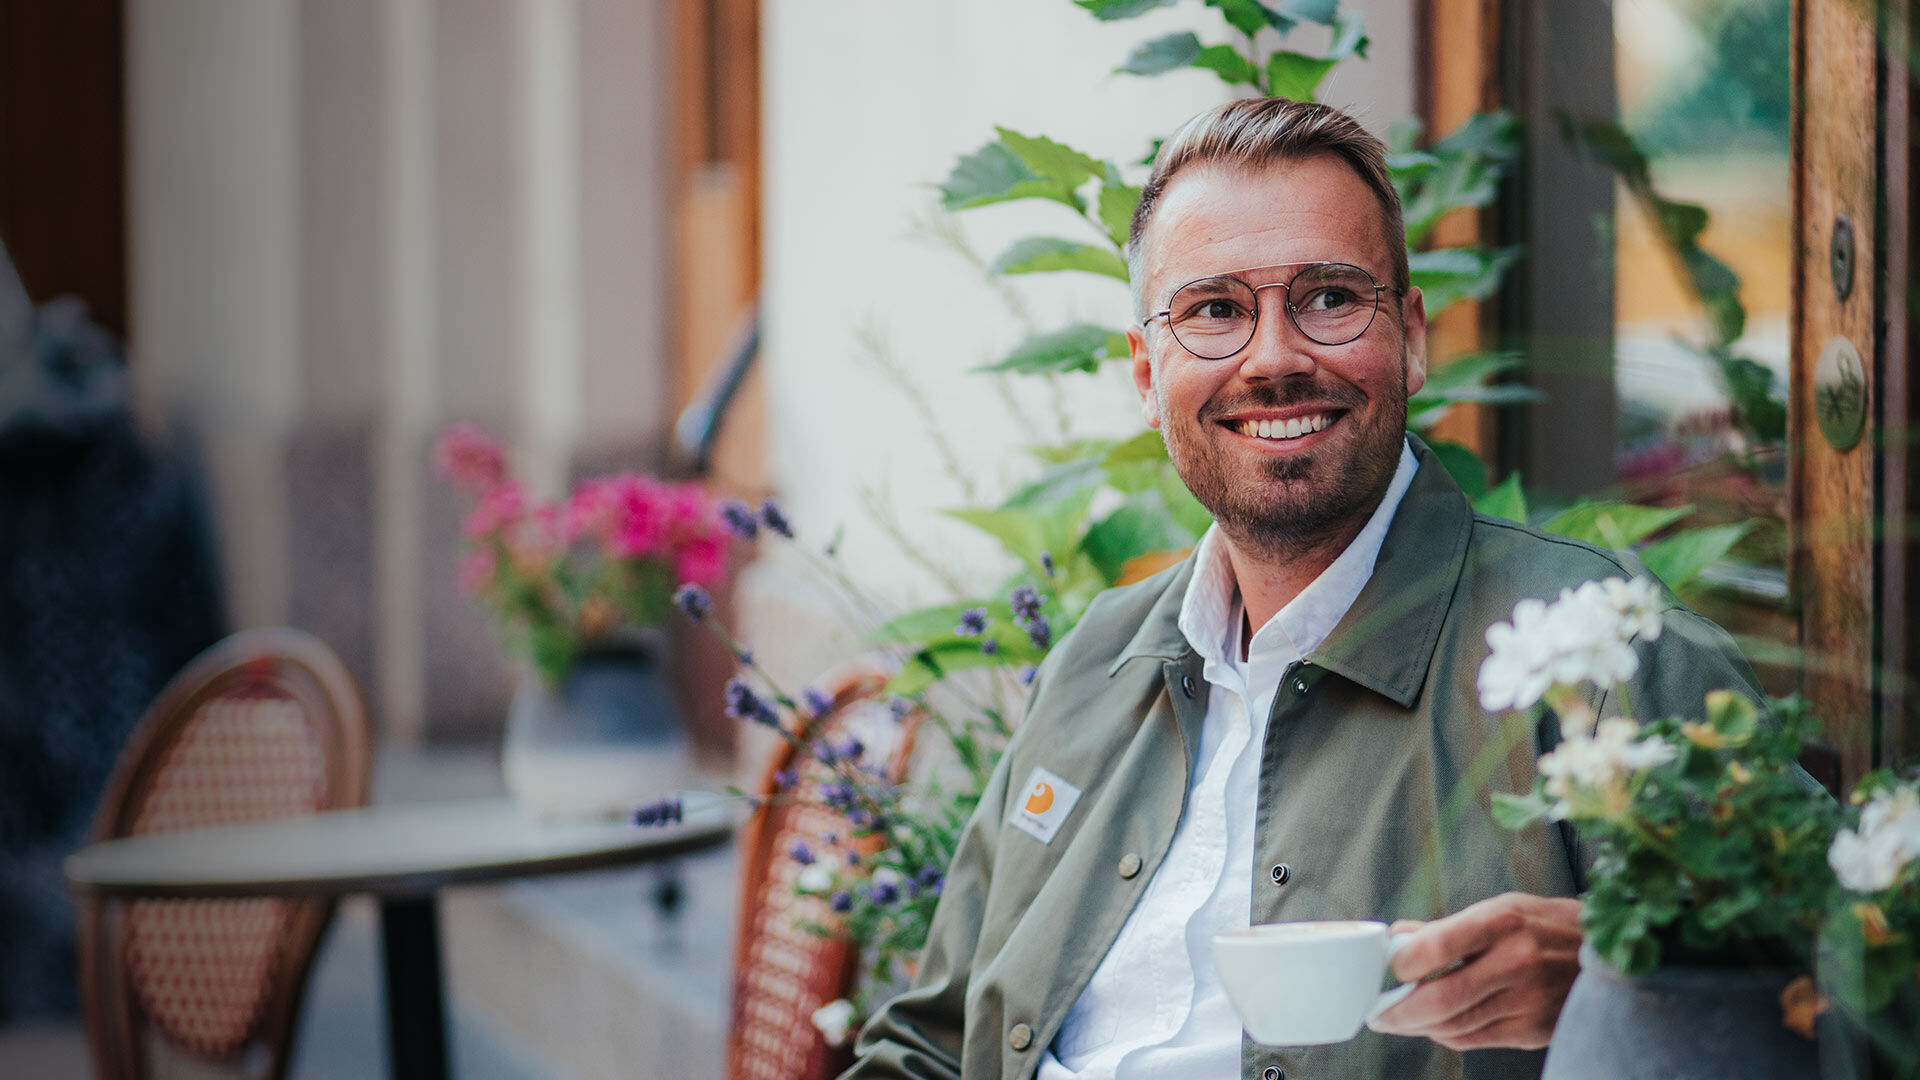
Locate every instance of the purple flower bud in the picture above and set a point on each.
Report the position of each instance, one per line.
(824, 753)
(693, 601)
(801, 853)
(900, 707)
(818, 703)
(842, 901)
(1027, 674)
(785, 779)
(1040, 632)
(1026, 601)
(883, 893)
(774, 519)
(852, 750)
(1046, 562)
(739, 520)
(989, 646)
(664, 812)
(743, 654)
(744, 704)
(973, 622)
(853, 858)
(929, 876)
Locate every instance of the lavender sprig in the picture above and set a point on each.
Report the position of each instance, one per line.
(667, 811)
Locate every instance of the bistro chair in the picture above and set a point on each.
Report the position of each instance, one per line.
(783, 971)
(265, 724)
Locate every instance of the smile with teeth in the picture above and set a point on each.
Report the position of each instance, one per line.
(1284, 429)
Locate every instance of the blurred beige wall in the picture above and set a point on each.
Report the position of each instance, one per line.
(355, 221)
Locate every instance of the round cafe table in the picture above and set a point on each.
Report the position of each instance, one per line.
(401, 853)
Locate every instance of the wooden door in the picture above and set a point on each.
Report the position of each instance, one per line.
(1850, 399)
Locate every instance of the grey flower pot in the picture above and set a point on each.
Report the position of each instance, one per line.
(1694, 1022)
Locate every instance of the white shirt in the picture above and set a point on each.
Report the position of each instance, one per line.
(1155, 1008)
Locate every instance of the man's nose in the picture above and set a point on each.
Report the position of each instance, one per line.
(1277, 348)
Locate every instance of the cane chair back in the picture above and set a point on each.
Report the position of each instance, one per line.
(265, 724)
(784, 971)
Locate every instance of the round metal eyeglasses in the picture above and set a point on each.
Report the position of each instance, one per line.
(1331, 303)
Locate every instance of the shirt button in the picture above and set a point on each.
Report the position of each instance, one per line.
(1186, 685)
(1282, 873)
(1020, 1037)
(1299, 685)
(1129, 865)
(1272, 1072)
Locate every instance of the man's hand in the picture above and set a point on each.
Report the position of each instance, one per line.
(1517, 956)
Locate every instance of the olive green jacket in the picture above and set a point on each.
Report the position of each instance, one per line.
(1374, 791)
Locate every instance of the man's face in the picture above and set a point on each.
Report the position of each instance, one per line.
(1271, 491)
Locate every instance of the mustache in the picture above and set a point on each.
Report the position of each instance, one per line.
(1286, 394)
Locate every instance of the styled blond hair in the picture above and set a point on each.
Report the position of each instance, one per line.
(1255, 132)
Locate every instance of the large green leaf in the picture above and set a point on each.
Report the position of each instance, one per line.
(1296, 75)
(1113, 10)
(936, 662)
(1045, 254)
(1680, 558)
(1463, 465)
(1149, 445)
(1450, 275)
(1614, 524)
(1162, 54)
(1080, 347)
(1050, 160)
(1349, 36)
(1027, 531)
(993, 174)
(1057, 482)
(1186, 509)
(934, 623)
(1506, 500)
(1492, 135)
(1226, 62)
(1140, 525)
(1324, 12)
(1117, 204)
(1247, 16)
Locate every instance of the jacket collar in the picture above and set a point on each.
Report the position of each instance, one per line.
(1386, 641)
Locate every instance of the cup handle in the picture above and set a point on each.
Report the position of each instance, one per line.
(1389, 998)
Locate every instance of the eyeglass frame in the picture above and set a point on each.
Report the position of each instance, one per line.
(1293, 314)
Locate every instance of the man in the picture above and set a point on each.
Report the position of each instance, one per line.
(1285, 726)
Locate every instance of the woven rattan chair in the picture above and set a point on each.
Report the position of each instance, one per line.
(265, 724)
(782, 970)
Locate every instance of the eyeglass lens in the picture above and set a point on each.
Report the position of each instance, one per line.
(1331, 303)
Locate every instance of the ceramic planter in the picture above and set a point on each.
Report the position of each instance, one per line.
(1703, 1023)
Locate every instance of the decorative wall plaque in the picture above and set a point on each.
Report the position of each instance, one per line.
(1840, 394)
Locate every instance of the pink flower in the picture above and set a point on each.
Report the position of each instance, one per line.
(498, 508)
(639, 523)
(477, 569)
(470, 459)
(703, 560)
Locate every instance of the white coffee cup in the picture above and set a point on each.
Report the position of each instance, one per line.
(1307, 983)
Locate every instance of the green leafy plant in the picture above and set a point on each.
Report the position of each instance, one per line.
(1708, 844)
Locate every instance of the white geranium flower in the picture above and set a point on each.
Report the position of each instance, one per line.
(835, 1021)
(1871, 859)
(1586, 635)
(1589, 775)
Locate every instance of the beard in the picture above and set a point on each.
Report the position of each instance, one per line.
(1284, 506)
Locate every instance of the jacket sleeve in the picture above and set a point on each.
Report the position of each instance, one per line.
(919, 1035)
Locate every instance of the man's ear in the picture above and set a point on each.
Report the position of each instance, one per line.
(1143, 375)
(1413, 329)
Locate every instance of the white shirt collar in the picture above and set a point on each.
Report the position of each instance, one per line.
(1210, 613)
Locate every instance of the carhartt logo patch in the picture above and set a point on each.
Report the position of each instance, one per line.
(1046, 802)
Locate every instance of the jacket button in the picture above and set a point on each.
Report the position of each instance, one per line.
(1282, 873)
(1272, 1072)
(1020, 1037)
(1299, 685)
(1186, 685)
(1129, 865)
